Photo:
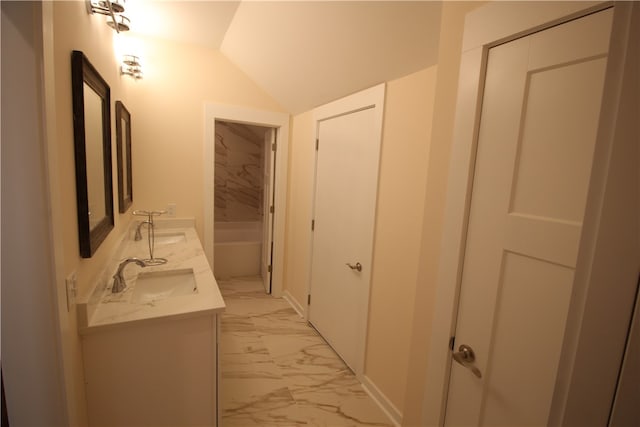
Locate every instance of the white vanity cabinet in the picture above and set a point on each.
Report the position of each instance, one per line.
(150, 352)
(153, 373)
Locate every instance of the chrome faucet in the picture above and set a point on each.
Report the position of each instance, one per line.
(119, 283)
(138, 235)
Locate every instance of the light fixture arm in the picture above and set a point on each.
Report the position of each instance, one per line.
(113, 16)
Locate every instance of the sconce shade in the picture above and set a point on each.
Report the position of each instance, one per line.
(117, 6)
(135, 72)
(131, 60)
(105, 7)
(113, 10)
(131, 66)
(119, 23)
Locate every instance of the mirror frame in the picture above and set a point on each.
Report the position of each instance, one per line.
(123, 114)
(83, 72)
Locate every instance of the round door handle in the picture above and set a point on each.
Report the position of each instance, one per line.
(465, 356)
(358, 266)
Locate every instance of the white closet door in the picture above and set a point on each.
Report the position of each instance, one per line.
(537, 134)
(345, 202)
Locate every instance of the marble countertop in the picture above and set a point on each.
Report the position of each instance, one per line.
(104, 309)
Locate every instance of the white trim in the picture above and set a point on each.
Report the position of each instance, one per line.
(509, 20)
(213, 112)
(489, 25)
(383, 402)
(217, 326)
(609, 258)
(294, 303)
(369, 98)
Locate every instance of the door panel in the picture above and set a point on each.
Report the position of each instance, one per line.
(535, 147)
(557, 141)
(533, 299)
(346, 188)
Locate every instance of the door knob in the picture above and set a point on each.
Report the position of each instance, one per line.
(465, 356)
(358, 266)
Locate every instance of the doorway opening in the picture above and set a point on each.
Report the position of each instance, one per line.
(244, 187)
(277, 121)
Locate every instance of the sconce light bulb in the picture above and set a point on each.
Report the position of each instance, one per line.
(131, 60)
(134, 71)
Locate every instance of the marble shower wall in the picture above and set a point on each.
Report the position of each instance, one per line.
(239, 172)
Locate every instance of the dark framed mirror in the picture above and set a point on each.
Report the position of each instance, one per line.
(92, 141)
(123, 144)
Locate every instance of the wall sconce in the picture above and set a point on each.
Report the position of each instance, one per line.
(113, 9)
(131, 66)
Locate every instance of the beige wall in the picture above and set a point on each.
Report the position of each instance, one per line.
(452, 27)
(402, 182)
(167, 110)
(74, 29)
(403, 168)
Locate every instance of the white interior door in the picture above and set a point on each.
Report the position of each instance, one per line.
(345, 202)
(537, 133)
(267, 207)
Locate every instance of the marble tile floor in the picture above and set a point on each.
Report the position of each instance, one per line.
(277, 371)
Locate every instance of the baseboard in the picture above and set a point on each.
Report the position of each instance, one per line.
(293, 303)
(382, 401)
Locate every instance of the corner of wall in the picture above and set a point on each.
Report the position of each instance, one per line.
(450, 47)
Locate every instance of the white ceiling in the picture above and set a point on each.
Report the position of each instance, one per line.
(198, 22)
(303, 53)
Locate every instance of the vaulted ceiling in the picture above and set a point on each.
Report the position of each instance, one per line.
(303, 53)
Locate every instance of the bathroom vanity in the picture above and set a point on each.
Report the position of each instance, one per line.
(150, 351)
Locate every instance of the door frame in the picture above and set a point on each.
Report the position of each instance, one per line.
(368, 98)
(488, 26)
(273, 119)
(269, 164)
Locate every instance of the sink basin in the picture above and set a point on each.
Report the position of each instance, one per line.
(160, 285)
(169, 238)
